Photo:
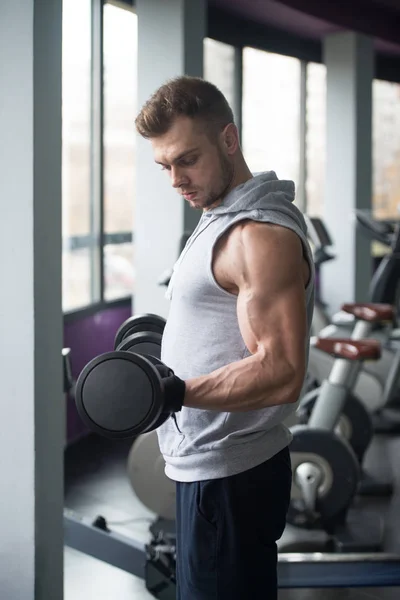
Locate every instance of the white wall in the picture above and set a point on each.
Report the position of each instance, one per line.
(32, 408)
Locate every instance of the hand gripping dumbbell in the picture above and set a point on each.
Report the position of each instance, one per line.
(124, 393)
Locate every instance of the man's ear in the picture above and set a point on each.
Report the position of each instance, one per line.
(230, 139)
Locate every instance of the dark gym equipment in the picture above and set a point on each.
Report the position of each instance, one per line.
(120, 394)
(139, 324)
(145, 342)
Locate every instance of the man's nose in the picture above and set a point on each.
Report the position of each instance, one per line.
(178, 177)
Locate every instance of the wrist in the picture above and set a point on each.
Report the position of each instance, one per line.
(188, 393)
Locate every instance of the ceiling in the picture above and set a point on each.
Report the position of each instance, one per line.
(314, 19)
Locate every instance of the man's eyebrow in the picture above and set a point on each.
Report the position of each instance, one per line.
(180, 156)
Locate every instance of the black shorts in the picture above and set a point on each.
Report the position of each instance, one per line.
(227, 531)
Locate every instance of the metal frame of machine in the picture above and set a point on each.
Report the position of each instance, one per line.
(295, 570)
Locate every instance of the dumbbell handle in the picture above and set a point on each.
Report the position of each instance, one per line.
(173, 387)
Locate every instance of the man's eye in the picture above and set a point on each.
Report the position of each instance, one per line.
(165, 168)
(188, 162)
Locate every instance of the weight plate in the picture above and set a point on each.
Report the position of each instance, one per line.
(155, 360)
(360, 430)
(322, 447)
(139, 323)
(145, 342)
(119, 395)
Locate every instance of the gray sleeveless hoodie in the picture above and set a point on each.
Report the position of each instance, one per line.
(202, 334)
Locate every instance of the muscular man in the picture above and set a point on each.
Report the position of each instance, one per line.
(237, 335)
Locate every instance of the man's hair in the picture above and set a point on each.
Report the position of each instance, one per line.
(185, 96)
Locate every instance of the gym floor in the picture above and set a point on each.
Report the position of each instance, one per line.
(96, 484)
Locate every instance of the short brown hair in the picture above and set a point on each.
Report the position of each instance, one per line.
(191, 97)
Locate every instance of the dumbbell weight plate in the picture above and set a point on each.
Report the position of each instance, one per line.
(119, 395)
(147, 343)
(144, 342)
(137, 324)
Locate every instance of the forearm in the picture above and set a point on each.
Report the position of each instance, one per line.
(249, 384)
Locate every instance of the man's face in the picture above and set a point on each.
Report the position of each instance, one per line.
(199, 169)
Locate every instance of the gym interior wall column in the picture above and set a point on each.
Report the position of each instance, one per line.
(32, 403)
(349, 59)
(170, 43)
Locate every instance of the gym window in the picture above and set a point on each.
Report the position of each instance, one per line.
(219, 68)
(315, 138)
(98, 170)
(76, 154)
(386, 149)
(271, 113)
(120, 85)
(385, 145)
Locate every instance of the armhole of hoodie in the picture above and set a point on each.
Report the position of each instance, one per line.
(256, 217)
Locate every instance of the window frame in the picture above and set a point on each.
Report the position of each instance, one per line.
(222, 27)
(97, 239)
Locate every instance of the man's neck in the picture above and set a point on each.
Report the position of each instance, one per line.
(240, 176)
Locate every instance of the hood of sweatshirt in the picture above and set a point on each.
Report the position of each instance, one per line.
(263, 192)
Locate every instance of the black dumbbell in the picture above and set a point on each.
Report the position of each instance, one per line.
(121, 394)
(147, 343)
(139, 324)
(143, 342)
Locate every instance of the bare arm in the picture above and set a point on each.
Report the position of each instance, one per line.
(269, 273)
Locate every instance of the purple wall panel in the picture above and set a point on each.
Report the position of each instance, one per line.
(88, 337)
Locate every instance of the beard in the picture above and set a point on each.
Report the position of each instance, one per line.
(226, 176)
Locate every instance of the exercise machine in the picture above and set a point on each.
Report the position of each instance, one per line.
(377, 384)
(355, 422)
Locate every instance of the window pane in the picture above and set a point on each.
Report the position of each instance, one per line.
(219, 68)
(316, 138)
(119, 276)
(76, 272)
(386, 150)
(120, 83)
(76, 64)
(271, 113)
